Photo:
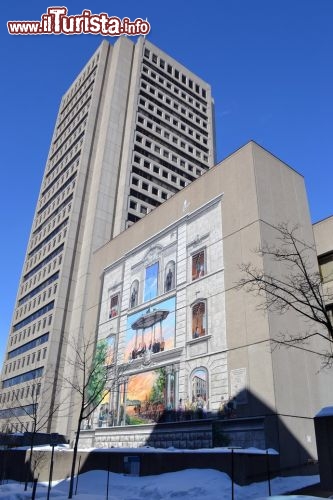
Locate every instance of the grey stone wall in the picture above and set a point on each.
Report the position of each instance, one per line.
(190, 435)
(183, 436)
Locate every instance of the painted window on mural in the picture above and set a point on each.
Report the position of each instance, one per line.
(198, 265)
(114, 306)
(199, 322)
(134, 293)
(104, 414)
(199, 388)
(110, 350)
(148, 396)
(151, 330)
(151, 282)
(169, 277)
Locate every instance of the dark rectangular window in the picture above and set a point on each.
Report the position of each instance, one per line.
(114, 306)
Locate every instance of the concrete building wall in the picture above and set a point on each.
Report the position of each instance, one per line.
(285, 381)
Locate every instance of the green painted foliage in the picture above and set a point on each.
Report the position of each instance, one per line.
(98, 374)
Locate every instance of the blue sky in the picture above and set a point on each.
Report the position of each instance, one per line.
(269, 63)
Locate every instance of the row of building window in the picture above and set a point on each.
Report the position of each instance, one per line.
(60, 180)
(65, 117)
(79, 86)
(33, 258)
(54, 163)
(142, 184)
(14, 426)
(141, 208)
(152, 107)
(67, 142)
(31, 330)
(155, 165)
(36, 278)
(166, 174)
(143, 162)
(29, 345)
(170, 158)
(11, 427)
(63, 183)
(59, 195)
(16, 395)
(172, 91)
(164, 97)
(69, 147)
(30, 359)
(59, 211)
(43, 215)
(26, 307)
(59, 166)
(178, 146)
(43, 310)
(36, 263)
(78, 122)
(50, 182)
(43, 263)
(174, 72)
(192, 136)
(16, 412)
(23, 377)
(58, 170)
(154, 92)
(38, 289)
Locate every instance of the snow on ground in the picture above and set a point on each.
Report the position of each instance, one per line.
(207, 484)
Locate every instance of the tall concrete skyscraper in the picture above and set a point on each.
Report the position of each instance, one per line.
(134, 128)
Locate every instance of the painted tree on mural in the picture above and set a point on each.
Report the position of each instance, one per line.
(291, 282)
(157, 394)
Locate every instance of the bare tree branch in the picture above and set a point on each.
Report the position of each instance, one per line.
(289, 280)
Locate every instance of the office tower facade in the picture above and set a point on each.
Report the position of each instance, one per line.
(134, 128)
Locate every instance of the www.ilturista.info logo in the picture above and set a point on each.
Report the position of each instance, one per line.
(56, 22)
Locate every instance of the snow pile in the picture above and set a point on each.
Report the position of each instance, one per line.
(197, 484)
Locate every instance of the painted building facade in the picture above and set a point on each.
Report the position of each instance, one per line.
(155, 316)
(221, 346)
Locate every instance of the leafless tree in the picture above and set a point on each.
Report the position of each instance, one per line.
(24, 408)
(289, 280)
